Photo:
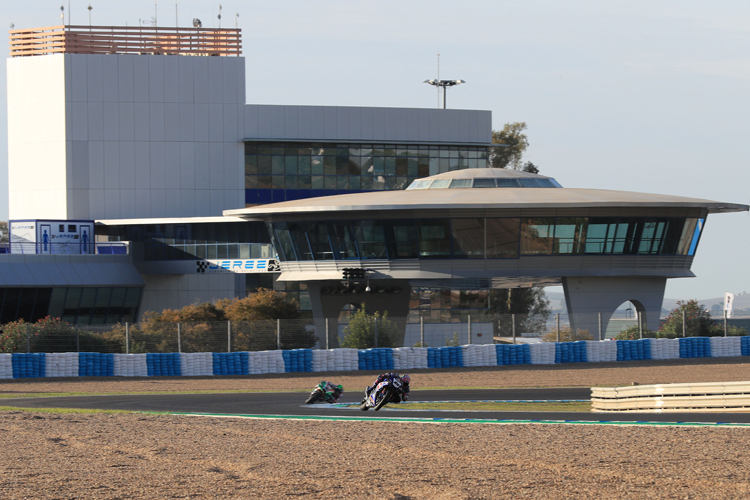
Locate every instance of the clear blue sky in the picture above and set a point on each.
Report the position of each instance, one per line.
(629, 94)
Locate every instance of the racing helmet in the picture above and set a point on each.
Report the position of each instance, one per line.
(406, 379)
(340, 388)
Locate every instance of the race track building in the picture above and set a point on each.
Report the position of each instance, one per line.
(198, 196)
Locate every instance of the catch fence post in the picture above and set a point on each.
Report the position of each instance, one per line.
(28, 339)
(640, 324)
(229, 336)
(127, 338)
(421, 331)
(684, 326)
(278, 334)
(376, 331)
(513, 326)
(558, 326)
(469, 325)
(725, 322)
(78, 340)
(179, 338)
(326, 333)
(600, 328)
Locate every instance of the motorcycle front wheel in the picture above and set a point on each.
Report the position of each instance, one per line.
(384, 398)
(313, 397)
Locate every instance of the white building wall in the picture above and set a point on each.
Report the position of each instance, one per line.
(37, 153)
(125, 136)
(164, 291)
(339, 123)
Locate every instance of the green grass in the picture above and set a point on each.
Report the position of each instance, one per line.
(64, 410)
(126, 393)
(572, 406)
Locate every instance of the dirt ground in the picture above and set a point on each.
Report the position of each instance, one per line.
(46, 455)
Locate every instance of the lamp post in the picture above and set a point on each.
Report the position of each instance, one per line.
(444, 84)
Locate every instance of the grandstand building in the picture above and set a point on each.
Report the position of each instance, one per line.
(198, 196)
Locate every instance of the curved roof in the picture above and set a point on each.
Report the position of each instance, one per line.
(484, 178)
(495, 198)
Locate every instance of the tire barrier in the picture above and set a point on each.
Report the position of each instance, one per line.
(87, 364)
(513, 354)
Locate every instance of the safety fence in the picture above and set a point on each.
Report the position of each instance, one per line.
(53, 335)
(86, 364)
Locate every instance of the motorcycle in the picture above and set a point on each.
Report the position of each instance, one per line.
(316, 395)
(385, 392)
(319, 395)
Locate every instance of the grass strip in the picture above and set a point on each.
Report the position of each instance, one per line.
(555, 406)
(66, 410)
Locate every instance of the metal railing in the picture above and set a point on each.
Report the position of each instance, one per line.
(66, 248)
(125, 40)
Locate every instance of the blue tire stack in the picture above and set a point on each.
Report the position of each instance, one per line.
(30, 365)
(513, 354)
(165, 364)
(231, 363)
(695, 347)
(570, 352)
(745, 346)
(376, 359)
(298, 360)
(94, 364)
(632, 350)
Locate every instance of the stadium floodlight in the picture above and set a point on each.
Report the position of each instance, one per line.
(444, 84)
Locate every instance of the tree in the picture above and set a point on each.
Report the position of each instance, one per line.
(360, 332)
(529, 304)
(261, 305)
(256, 316)
(698, 322)
(515, 143)
(3, 232)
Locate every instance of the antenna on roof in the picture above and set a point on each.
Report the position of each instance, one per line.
(62, 14)
(219, 16)
(197, 23)
(176, 21)
(90, 8)
(237, 20)
(155, 2)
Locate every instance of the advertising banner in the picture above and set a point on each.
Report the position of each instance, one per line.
(242, 266)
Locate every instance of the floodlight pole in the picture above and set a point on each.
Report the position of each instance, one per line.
(444, 84)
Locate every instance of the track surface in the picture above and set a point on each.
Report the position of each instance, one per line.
(293, 404)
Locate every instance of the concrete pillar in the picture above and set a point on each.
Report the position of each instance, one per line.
(586, 297)
(326, 304)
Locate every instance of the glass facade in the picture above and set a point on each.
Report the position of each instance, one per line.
(76, 305)
(276, 171)
(221, 240)
(482, 182)
(485, 238)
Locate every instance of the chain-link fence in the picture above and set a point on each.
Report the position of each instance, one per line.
(230, 336)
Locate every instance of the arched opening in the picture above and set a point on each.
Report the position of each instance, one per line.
(625, 318)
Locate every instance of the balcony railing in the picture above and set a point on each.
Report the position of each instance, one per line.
(125, 40)
(109, 248)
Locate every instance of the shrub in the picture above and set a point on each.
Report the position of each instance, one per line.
(567, 335)
(360, 332)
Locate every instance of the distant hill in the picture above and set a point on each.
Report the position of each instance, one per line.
(716, 305)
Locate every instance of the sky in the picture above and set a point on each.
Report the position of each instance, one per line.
(634, 95)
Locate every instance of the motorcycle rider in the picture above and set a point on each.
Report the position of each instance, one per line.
(405, 381)
(332, 392)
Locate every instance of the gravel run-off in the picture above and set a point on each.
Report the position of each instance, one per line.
(104, 455)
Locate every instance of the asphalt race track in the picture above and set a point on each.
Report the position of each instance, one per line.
(293, 404)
